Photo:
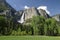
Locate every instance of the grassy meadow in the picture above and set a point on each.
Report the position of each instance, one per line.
(29, 38)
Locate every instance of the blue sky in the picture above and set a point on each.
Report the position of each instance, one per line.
(52, 5)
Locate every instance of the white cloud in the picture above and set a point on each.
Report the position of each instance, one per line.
(44, 8)
(26, 7)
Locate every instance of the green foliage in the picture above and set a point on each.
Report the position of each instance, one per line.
(52, 28)
(5, 27)
(42, 26)
(37, 25)
(2, 8)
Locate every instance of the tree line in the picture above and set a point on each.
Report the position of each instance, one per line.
(37, 25)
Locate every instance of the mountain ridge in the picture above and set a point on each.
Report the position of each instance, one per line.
(29, 13)
(25, 14)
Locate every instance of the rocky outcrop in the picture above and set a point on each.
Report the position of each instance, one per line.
(18, 15)
(3, 13)
(56, 17)
(43, 13)
(23, 15)
(29, 13)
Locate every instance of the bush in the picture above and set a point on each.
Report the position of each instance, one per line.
(52, 28)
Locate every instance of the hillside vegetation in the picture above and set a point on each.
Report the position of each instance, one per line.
(37, 25)
(2, 8)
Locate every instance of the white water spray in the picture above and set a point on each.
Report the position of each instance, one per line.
(22, 19)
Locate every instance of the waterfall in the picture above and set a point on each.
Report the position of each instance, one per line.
(22, 19)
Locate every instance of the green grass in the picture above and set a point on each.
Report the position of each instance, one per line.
(28, 38)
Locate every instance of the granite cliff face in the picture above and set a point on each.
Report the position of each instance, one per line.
(43, 13)
(56, 17)
(29, 13)
(22, 15)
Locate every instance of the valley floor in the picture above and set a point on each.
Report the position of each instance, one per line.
(29, 38)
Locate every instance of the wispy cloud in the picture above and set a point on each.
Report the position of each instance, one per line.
(26, 7)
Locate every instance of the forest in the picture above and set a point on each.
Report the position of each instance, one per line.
(37, 25)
